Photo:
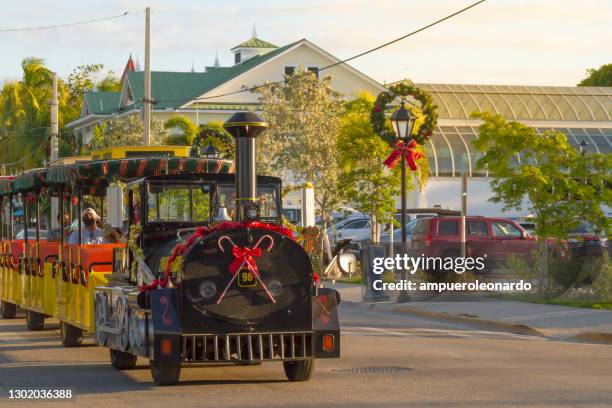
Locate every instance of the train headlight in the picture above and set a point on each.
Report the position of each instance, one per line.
(275, 288)
(208, 289)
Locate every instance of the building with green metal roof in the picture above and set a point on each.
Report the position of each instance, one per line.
(584, 114)
(193, 94)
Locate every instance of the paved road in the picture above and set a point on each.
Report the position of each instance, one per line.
(426, 364)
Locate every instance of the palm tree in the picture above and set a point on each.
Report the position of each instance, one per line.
(25, 114)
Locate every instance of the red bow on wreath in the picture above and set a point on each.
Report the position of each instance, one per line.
(405, 150)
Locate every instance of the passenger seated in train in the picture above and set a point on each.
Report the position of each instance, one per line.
(56, 233)
(90, 233)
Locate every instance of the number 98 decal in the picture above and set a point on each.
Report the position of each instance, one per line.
(246, 278)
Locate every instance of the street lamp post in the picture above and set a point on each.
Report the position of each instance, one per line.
(403, 122)
(583, 149)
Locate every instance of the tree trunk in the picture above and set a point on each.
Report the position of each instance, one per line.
(543, 247)
(325, 246)
(375, 228)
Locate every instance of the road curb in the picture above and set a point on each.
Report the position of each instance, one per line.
(515, 328)
(594, 337)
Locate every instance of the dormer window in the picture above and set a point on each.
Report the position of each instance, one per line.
(251, 48)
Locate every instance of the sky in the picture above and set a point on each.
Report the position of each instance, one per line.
(515, 42)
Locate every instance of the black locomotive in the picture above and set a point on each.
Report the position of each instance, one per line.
(221, 282)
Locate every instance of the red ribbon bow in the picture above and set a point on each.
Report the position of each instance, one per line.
(405, 150)
(244, 256)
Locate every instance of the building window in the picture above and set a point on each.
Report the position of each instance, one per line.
(315, 70)
(237, 58)
(289, 70)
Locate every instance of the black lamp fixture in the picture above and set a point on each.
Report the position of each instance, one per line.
(211, 152)
(403, 122)
(583, 147)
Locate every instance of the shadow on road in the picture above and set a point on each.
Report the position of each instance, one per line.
(231, 382)
(80, 378)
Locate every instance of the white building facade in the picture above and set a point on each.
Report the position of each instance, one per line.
(583, 113)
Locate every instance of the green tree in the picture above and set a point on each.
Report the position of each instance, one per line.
(370, 186)
(555, 182)
(601, 76)
(84, 78)
(25, 115)
(126, 131)
(110, 83)
(181, 131)
(302, 141)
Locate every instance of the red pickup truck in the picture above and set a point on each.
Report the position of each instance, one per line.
(492, 238)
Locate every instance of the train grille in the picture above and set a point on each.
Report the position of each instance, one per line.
(252, 347)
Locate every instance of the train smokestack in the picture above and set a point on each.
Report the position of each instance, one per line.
(245, 127)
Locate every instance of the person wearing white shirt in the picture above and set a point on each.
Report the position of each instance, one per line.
(90, 233)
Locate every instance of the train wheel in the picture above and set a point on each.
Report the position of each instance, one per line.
(71, 336)
(122, 360)
(299, 370)
(8, 310)
(35, 321)
(165, 373)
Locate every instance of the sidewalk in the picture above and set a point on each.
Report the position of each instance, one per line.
(560, 322)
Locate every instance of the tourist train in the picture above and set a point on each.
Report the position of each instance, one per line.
(195, 265)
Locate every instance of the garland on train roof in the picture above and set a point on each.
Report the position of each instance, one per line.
(94, 173)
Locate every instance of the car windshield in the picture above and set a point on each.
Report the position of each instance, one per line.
(344, 222)
(583, 228)
(397, 234)
(31, 234)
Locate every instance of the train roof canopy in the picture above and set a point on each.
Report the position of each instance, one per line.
(97, 174)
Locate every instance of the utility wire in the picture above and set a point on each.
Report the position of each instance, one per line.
(32, 153)
(46, 27)
(24, 131)
(255, 87)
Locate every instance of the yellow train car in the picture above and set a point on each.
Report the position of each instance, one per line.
(43, 273)
(140, 151)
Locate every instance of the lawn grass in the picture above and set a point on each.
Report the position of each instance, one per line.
(588, 304)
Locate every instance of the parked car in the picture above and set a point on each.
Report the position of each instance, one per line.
(585, 241)
(358, 242)
(497, 238)
(338, 216)
(31, 234)
(349, 228)
(528, 226)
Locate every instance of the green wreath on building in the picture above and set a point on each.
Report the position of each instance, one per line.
(404, 89)
(222, 141)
